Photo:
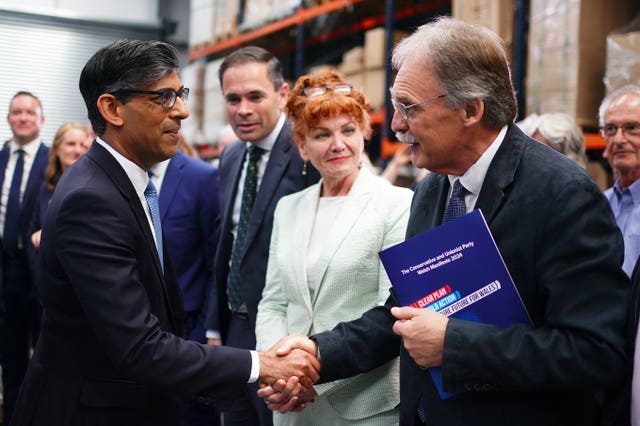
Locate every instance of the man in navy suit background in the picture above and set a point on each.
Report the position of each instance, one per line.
(22, 309)
(188, 198)
(254, 93)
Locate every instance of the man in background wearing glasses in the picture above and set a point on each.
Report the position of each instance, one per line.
(109, 351)
(455, 105)
(619, 119)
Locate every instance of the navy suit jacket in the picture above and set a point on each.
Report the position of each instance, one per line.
(109, 351)
(188, 209)
(562, 246)
(21, 281)
(282, 176)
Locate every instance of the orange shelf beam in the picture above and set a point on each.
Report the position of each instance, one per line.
(593, 141)
(301, 16)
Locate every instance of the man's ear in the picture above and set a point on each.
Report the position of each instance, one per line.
(474, 111)
(110, 109)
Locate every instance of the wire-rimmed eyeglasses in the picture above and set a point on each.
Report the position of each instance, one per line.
(338, 88)
(405, 110)
(609, 130)
(167, 97)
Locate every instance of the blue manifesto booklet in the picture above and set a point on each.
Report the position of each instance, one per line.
(455, 269)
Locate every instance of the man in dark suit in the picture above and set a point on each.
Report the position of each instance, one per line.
(22, 164)
(454, 103)
(109, 351)
(188, 199)
(255, 93)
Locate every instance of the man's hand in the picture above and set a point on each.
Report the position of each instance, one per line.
(422, 332)
(291, 356)
(278, 396)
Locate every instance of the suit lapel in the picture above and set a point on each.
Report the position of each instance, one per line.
(4, 159)
(278, 161)
(305, 211)
(354, 205)
(501, 173)
(36, 174)
(170, 183)
(120, 179)
(428, 204)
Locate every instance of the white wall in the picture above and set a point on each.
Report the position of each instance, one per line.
(143, 12)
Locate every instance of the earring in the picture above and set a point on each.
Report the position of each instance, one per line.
(304, 168)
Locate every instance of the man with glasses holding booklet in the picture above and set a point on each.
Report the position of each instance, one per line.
(455, 105)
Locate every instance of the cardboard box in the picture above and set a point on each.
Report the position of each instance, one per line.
(352, 61)
(202, 21)
(566, 55)
(375, 48)
(623, 60)
(226, 18)
(497, 15)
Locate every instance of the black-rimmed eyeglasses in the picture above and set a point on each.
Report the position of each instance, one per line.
(167, 97)
(405, 110)
(609, 130)
(338, 88)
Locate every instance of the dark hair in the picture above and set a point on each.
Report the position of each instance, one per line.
(124, 64)
(470, 63)
(251, 54)
(25, 93)
(306, 112)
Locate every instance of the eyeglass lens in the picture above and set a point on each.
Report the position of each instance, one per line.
(611, 130)
(340, 88)
(168, 97)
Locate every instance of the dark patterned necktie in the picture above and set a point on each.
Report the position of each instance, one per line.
(248, 196)
(456, 206)
(151, 195)
(12, 214)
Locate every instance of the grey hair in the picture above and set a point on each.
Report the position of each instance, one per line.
(608, 100)
(470, 63)
(563, 134)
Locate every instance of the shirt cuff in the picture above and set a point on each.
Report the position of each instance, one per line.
(212, 334)
(255, 367)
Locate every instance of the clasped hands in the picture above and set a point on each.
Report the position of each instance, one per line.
(288, 371)
(422, 332)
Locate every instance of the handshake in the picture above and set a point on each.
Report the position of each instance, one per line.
(288, 371)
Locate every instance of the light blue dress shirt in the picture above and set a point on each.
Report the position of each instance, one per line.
(625, 204)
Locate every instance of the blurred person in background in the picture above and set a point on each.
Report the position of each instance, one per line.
(22, 164)
(69, 143)
(323, 261)
(188, 202)
(619, 119)
(558, 131)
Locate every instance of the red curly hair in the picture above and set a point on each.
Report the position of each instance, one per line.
(306, 113)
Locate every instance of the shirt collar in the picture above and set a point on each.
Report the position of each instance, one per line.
(473, 178)
(633, 189)
(137, 176)
(268, 142)
(30, 148)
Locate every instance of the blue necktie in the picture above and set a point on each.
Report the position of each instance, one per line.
(248, 196)
(456, 206)
(152, 200)
(12, 214)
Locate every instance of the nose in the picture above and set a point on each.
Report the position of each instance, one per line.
(244, 107)
(179, 109)
(398, 124)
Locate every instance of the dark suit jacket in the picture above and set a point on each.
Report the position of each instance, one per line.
(109, 352)
(282, 176)
(564, 251)
(37, 219)
(20, 280)
(188, 209)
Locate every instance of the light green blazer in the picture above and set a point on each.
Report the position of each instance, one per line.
(352, 280)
